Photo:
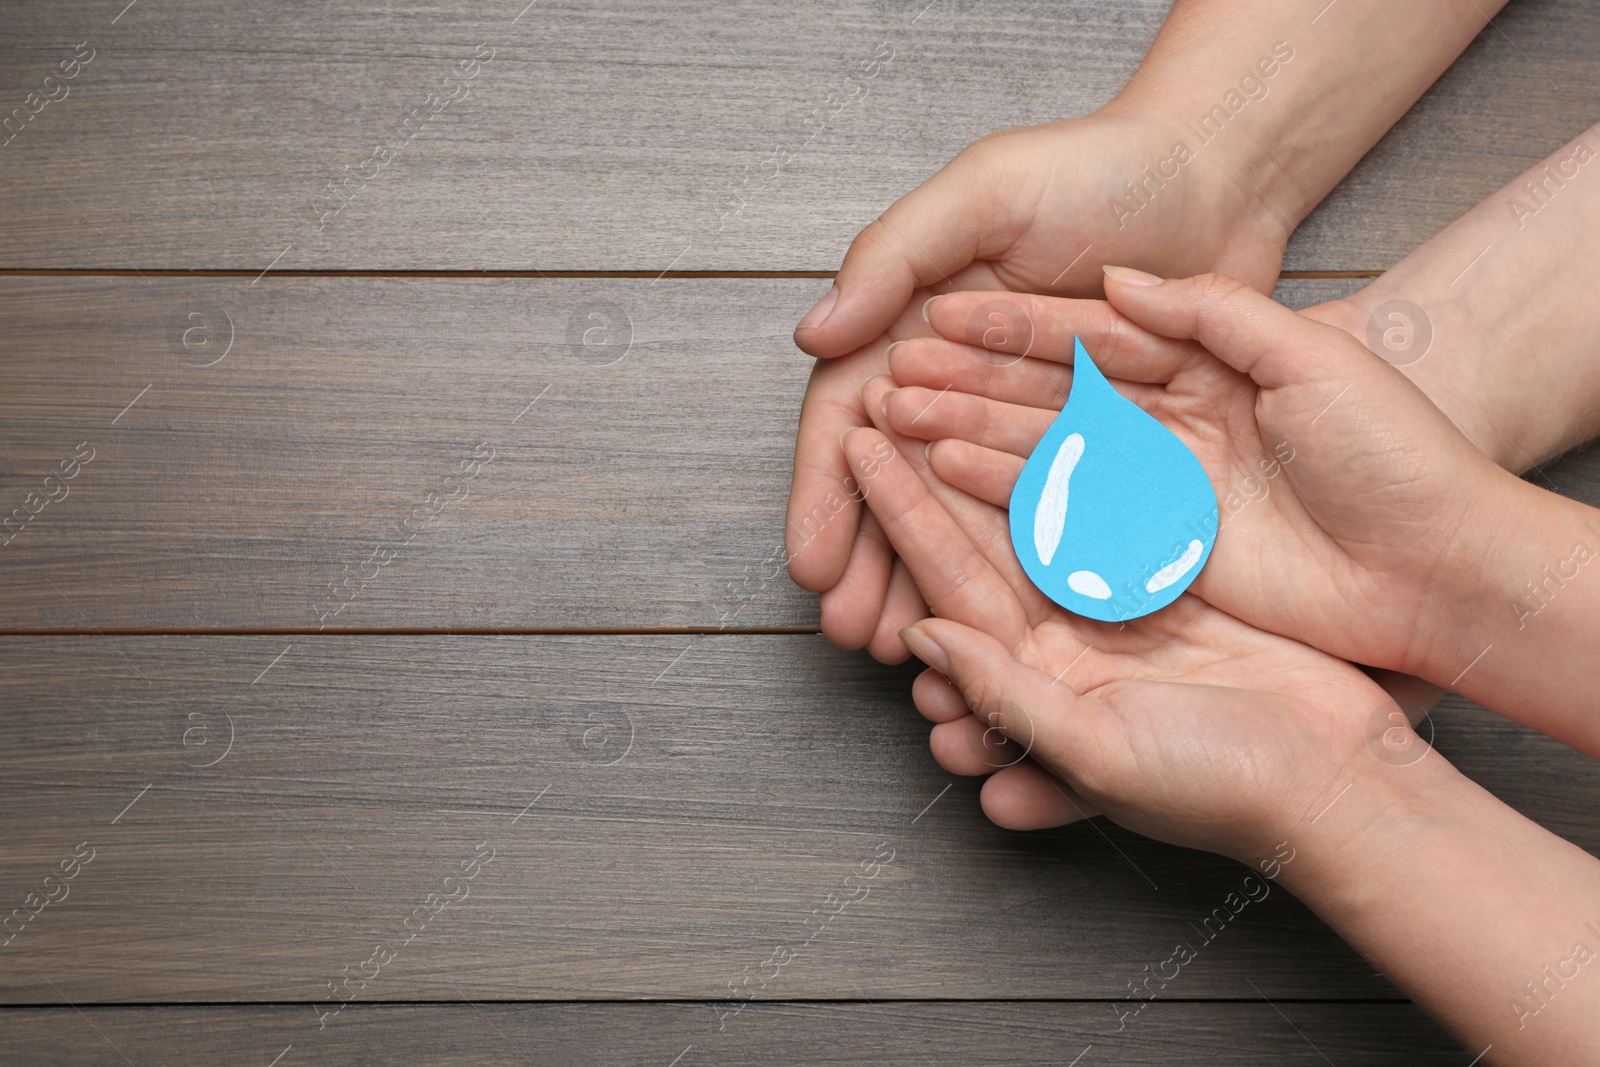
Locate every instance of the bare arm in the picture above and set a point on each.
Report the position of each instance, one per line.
(1490, 922)
(1306, 89)
(1506, 301)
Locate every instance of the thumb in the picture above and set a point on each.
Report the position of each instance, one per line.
(1049, 720)
(1249, 332)
(959, 215)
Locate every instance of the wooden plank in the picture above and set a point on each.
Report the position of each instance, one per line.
(665, 813)
(314, 475)
(620, 136)
(892, 1033)
(645, 485)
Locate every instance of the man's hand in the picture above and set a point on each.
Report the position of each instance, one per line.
(1353, 514)
(1028, 210)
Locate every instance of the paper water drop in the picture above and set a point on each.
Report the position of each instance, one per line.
(1112, 516)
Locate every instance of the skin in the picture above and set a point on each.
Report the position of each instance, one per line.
(1398, 859)
(1194, 728)
(1517, 325)
(1506, 296)
(1386, 539)
(1033, 210)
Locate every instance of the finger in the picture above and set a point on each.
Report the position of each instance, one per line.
(935, 363)
(852, 609)
(937, 699)
(824, 504)
(902, 606)
(1051, 722)
(1044, 327)
(965, 212)
(985, 524)
(1250, 332)
(932, 416)
(957, 581)
(1027, 797)
(874, 397)
(981, 472)
(969, 747)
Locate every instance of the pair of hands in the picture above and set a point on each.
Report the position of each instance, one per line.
(1214, 723)
(1029, 211)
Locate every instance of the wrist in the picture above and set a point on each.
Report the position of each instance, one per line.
(1226, 165)
(1486, 405)
(1349, 848)
(1517, 613)
(1499, 531)
(1205, 189)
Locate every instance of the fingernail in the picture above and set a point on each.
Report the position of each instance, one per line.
(1129, 276)
(887, 352)
(883, 402)
(820, 311)
(845, 434)
(927, 453)
(926, 649)
(926, 304)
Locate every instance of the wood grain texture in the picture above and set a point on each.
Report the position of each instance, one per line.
(891, 1033)
(644, 486)
(289, 484)
(665, 812)
(619, 136)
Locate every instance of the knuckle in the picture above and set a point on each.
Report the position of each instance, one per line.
(1216, 308)
(1116, 336)
(1215, 288)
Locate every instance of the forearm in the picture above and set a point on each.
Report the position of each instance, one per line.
(1282, 99)
(1515, 621)
(1472, 910)
(1503, 331)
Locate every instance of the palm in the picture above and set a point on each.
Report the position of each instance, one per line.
(1024, 210)
(1215, 721)
(1324, 484)
(1204, 721)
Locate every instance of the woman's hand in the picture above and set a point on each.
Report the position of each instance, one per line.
(1187, 726)
(1354, 517)
(1033, 210)
(1193, 728)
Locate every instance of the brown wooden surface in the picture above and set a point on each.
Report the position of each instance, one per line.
(616, 136)
(644, 487)
(666, 810)
(686, 1035)
(698, 800)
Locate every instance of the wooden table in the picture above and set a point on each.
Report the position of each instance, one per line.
(405, 670)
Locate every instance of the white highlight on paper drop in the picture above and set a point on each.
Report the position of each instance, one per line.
(1176, 569)
(1089, 584)
(1051, 517)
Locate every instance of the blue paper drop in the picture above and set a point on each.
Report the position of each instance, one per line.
(1112, 516)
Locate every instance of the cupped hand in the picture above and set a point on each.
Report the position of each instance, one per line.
(1037, 209)
(1348, 502)
(1187, 726)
